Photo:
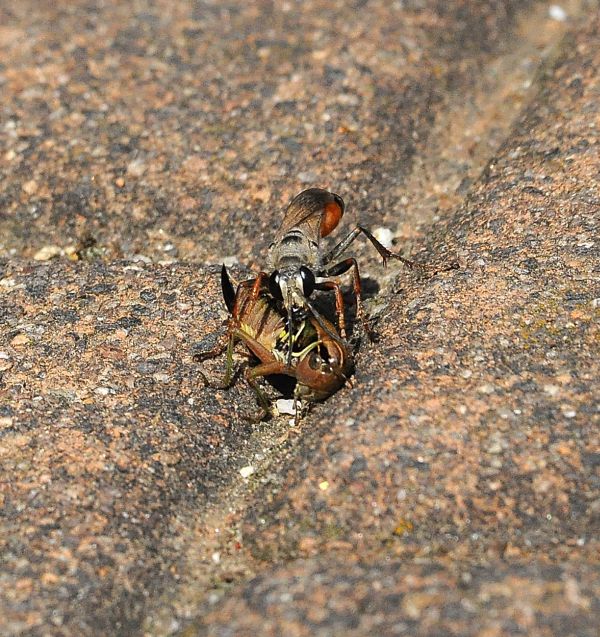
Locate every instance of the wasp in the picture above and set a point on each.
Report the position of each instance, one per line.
(318, 359)
(298, 265)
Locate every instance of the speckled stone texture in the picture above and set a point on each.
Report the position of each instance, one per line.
(336, 597)
(453, 487)
(465, 459)
(181, 128)
(101, 442)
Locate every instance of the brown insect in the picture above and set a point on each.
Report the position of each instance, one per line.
(318, 359)
(298, 265)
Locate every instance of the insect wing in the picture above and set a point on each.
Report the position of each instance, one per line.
(314, 212)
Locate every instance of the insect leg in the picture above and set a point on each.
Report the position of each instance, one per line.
(262, 399)
(339, 303)
(265, 369)
(270, 368)
(260, 351)
(300, 408)
(344, 266)
(289, 326)
(255, 286)
(226, 342)
(342, 246)
(323, 324)
(383, 251)
(229, 364)
(268, 365)
(217, 350)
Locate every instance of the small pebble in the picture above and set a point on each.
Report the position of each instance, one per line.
(136, 168)
(20, 339)
(556, 12)
(307, 177)
(384, 236)
(229, 261)
(285, 406)
(494, 448)
(46, 253)
(30, 187)
(347, 99)
(6, 422)
(247, 471)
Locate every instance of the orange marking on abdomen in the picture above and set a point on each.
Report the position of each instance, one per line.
(331, 217)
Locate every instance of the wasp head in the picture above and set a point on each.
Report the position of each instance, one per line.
(292, 287)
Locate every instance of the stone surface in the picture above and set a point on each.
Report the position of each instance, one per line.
(181, 128)
(470, 440)
(102, 442)
(334, 597)
(453, 487)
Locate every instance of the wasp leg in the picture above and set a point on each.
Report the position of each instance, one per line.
(329, 330)
(341, 268)
(385, 254)
(339, 303)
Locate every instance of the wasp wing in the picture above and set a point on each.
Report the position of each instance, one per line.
(306, 211)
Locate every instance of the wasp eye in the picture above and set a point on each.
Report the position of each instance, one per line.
(274, 288)
(308, 280)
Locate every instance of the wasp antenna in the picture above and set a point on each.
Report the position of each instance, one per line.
(227, 289)
(290, 327)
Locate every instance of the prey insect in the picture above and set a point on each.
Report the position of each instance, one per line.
(298, 266)
(318, 359)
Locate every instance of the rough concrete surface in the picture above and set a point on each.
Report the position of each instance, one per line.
(470, 443)
(452, 487)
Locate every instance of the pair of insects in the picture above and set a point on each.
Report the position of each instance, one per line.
(273, 315)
